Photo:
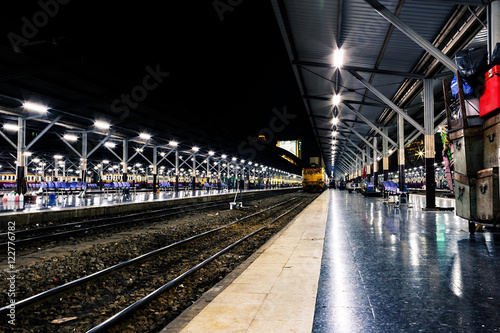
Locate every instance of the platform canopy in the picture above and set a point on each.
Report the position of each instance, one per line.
(231, 77)
(387, 49)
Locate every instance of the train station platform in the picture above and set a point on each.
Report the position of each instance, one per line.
(353, 264)
(68, 206)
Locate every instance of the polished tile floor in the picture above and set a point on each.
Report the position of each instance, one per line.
(386, 269)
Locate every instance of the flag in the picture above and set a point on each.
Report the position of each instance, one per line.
(364, 172)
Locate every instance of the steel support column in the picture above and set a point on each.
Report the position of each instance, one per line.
(21, 182)
(84, 156)
(430, 187)
(193, 176)
(155, 168)
(125, 160)
(401, 152)
(385, 155)
(375, 163)
(368, 168)
(176, 187)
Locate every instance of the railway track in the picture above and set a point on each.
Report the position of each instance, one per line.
(35, 236)
(124, 288)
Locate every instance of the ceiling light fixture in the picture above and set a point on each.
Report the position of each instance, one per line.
(338, 58)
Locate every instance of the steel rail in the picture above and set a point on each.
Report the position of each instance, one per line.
(32, 300)
(115, 319)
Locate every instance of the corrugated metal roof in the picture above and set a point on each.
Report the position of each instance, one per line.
(310, 30)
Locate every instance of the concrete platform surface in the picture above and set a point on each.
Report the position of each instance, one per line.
(277, 292)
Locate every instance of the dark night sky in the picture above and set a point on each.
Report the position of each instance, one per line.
(227, 70)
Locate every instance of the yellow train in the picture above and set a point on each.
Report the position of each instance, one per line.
(314, 179)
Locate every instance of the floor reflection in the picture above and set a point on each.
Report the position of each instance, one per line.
(389, 269)
(63, 201)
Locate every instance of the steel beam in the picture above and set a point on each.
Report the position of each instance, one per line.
(52, 123)
(8, 140)
(101, 142)
(359, 69)
(69, 145)
(412, 34)
(461, 2)
(368, 122)
(387, 101)
(358, 135)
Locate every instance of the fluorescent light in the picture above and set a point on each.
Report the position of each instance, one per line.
(336, 100)
(211, 153)
(101, 125)
(173, 143)
(144, 136)
(223, 156)
(335, 121)
(58, 157)
(338, 58)
(196, 149)
(335, 133)
(35, 107)
(70, 137)
(109, 144)
(10, 127)
(27, 153)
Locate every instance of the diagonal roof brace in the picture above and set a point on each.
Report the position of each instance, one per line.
(387, 101)
(345, 154)
(355, 146)
(42, 133)
(413, 35)
(362, 138)
(69, 145)
(372, 125)
(103, 141)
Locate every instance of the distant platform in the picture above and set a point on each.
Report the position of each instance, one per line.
(66, 206)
